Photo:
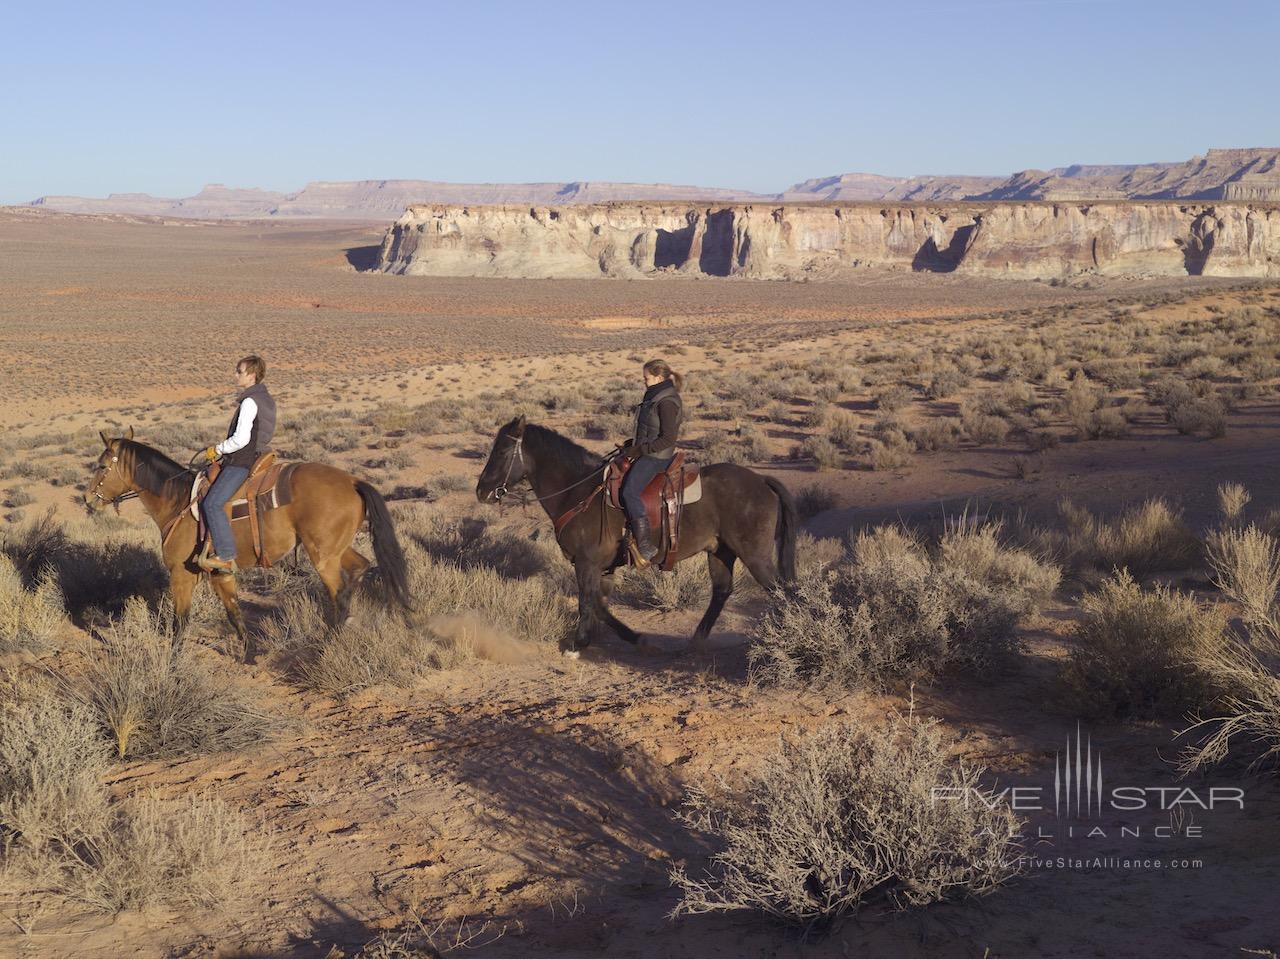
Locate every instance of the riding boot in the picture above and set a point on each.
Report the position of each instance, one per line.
(644, 539)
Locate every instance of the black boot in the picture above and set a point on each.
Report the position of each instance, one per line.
(644, 540)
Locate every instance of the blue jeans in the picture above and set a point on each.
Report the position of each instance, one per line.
(214, 508)
(642, 471)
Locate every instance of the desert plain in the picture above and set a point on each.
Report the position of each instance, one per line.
(461, 788)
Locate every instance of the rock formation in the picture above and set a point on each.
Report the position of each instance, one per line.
(772, 241)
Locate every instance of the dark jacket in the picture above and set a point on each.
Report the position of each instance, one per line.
(658, 420)
(264, 426)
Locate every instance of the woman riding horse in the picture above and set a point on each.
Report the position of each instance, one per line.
(741, 515)
(653, 446)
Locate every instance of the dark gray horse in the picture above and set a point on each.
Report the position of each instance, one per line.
(741, 515)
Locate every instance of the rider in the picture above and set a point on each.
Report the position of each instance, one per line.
(654, 446)
(249, 434)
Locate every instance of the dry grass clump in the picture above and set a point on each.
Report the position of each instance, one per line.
(1246, 566)
(1137, 650)
(52, 760)
(1143, 539)
(845, 818)
(30, 618)
(507, 614)
(686, 585)
(891, 610)
(155, 700)
(60, 831)
(813, 500)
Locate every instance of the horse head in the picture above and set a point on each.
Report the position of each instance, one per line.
(109, 481)
(507, 463)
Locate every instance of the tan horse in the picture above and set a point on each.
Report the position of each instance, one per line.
(327, 509)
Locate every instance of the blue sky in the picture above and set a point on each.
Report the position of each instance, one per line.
(163, 98)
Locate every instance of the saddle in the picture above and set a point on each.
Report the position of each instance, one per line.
(664, 500)
(266, 488)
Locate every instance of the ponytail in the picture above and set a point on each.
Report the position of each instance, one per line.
(662, 369)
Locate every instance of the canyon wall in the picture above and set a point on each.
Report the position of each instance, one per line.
(792, 241)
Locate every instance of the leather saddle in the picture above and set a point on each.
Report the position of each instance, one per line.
(267, 487)
(664, 500)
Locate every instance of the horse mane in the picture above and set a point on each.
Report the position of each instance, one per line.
(152, 470)
(562, 448)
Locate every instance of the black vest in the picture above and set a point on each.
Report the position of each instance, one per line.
(264, 427)
(648, 424)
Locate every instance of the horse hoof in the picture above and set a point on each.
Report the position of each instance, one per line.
(570, 653)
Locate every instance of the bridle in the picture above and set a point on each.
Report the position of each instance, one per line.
(103, 472)
(559, 522)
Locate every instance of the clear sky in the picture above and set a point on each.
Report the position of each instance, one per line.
(162, 98)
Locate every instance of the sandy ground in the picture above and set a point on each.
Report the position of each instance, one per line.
(528, 810)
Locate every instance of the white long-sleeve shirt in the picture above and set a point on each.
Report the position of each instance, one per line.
(239, 437)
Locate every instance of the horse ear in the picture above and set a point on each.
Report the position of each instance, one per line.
(518, 428)
(129, 435)
(105, 442)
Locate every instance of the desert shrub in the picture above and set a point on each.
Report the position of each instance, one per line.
(1232, 499)
(945, 381)
(63, 834)
(1195, 416)
(892, 451)
(813, 500)
(187, 851)
(379, 646)
(686, 585)
(824, 453)
(1104, 423)
(892, 397)
(842, 428)
(815, 417)
(52, 760)
(1135, 652)
(890, 611)
(718, 447)
(983, 429)
(846, 818)
(153, 700)
(942, 433)
(1246, 566)
(1143, 539)
(18, 496)
(1079, 405)
(29, 618)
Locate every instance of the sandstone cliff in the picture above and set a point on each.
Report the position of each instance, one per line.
(772, 241)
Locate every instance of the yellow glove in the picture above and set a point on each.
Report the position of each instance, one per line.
(211, 454)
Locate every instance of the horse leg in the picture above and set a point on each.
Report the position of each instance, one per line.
(225, 586)
(589, 602)
(353, 567)
(620, 628)
(720, 565)
(182, 583)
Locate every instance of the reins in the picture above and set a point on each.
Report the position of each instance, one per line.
(558, 522)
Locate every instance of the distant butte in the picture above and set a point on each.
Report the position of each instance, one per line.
(1239, 174)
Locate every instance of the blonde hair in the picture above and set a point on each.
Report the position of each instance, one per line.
(662, 369)
(253, 364)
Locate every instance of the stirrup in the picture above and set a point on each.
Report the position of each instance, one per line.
(638, 561)
(211, 564)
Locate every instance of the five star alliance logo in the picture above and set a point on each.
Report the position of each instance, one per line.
(1077, 780)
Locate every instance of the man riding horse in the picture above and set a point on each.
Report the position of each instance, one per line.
(250, 433)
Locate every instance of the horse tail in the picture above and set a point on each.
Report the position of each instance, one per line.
(788, 521)
(386, 547)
